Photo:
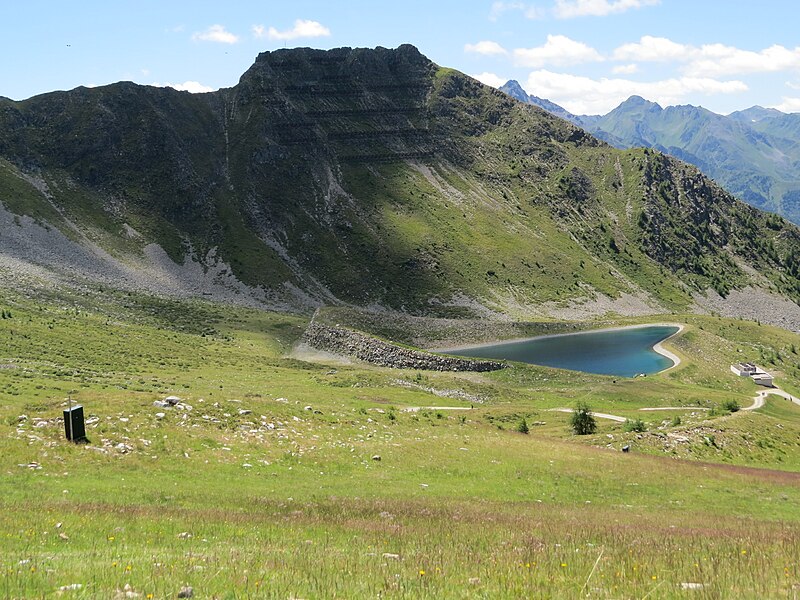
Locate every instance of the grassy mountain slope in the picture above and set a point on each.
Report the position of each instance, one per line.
(752, 153)
(756, 159)
(375, 177)
(264, 482)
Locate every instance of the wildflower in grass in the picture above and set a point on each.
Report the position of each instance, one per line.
(744, 551)
(128, 567)
(563, 565)
(422, 571)
(654, 577)
(149, 596)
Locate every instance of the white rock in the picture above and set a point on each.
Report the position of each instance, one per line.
(692, 586)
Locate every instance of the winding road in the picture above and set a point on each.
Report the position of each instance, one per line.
(759, 400)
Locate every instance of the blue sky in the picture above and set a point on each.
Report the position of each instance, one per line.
(587, 55)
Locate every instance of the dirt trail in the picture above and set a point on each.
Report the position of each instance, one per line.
(419, 408)
(616, 418)
(760, 399)
(758, 402)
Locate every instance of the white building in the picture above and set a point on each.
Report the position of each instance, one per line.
(758, 375)
(744, 369)
(764, 379)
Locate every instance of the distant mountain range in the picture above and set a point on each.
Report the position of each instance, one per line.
(753, 153)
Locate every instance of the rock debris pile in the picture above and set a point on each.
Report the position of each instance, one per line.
(351, 343)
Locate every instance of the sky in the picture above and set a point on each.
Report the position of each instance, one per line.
(586, 55)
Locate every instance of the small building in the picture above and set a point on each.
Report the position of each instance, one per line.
(764, 379)
(757, 374)
(745, 369)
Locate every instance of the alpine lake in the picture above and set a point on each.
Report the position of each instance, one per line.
(625, 352)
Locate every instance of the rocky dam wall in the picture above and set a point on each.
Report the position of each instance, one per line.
(339, 340)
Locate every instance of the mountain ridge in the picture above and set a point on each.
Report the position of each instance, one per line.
(372, 178)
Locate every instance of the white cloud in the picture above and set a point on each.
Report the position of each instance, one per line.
(195, 87)
(789, 105)
(710, 60)
(486, 48)
(654, 49)
(582, 95)
(215, 33)
(558, 50)
(490, 79)
(793, 85)
(568, 9)
(717, 59)
(530, 12)
(302, 29)
(629, 69)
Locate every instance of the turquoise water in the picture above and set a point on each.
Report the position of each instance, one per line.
(621, 352)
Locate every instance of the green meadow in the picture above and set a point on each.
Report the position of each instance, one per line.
(282, 477)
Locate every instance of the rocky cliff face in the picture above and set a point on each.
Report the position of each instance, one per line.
(369, 177)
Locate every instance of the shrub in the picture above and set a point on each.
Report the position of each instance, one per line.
(582, 421)
(523, 426)
(730, 405)
(636, 425)
(676, 420)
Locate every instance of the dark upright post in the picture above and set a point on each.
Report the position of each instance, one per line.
(74, 427)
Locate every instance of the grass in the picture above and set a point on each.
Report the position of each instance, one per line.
(269, 486)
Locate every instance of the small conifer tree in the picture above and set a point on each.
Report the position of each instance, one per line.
(582, 421)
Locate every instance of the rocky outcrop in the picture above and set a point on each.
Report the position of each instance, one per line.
(339, 340)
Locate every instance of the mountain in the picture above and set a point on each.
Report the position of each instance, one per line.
(755, 114)
(514, 89)
(752, 153)
(374, 178)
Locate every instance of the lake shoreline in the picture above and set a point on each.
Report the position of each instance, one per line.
(666, 353)
(555, 335)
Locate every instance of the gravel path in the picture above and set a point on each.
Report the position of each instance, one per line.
(758, 402)
(760, 399)
(616, 418)
(419, 408)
